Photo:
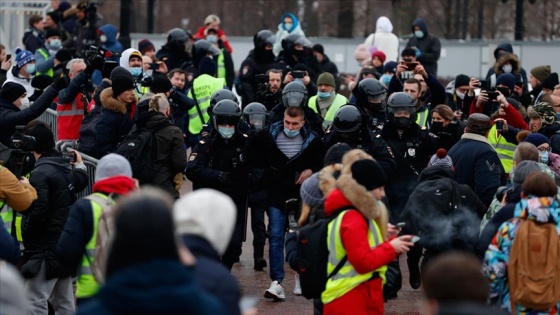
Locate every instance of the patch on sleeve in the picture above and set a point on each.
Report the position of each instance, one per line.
(245, 70)
(192, 157)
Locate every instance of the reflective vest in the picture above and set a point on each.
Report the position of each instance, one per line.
(69, 119)
(504, 149)
(422, 118)
(221, 65)
(338, 101)
(140, 90)
(45, 55)
(8, 216)
(203, 86)
(86, 285)
(347, 277)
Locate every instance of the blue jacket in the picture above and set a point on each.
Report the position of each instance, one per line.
(111, 44)
(154, 287)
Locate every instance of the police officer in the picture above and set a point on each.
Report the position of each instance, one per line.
(173, 53)
(257, 63)
(298, 50)
(348, 127)
(370, 99)
(219, 162)
(220, 95)
(295, 94)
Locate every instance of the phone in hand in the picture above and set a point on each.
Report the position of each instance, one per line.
(400, 224)
(154, 66)
(8, 57)
(411, 65)
(72, 156)
(483, 85)
(415, 239)
(499, 125)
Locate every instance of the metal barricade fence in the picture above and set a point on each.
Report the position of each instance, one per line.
(49, 117)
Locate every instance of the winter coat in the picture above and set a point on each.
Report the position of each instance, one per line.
(257, 62)
(516, 65)
(200, 35)
(115, 123)
(19, 196)
(213, 276)
(13, 76)
(44, 64)
(450, 134)
(477, 165)
(173, 57)
(44, 221)
(283, 32)
(12, 116)
(3, 77)
(384, 39)
(496, 260)
(429, 46)
(33, 39)
(513, 116)
(153, 287)
(434, 96)
(312, 119)
(9, 247)
(112, 44)
(367, 297)
(171, 157)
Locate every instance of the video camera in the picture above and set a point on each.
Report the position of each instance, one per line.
(262, 82)
(22, 145)
(101, 52)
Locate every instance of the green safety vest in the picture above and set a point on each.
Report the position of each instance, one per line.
(140, 92)
(422, 118)
(338, 101)
(347, 277)
(86, 285)
(45, 55)
(504, 149)
(203, 86)
(221, 65)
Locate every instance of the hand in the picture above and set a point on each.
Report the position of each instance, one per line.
(79, 159)
(392, 230)
(420, 70)
(61, 82)
(224, 178)
(223, 38)
(473, 84)
(518, 90)
(348, 79)
(303, 176)
(94, 63)
(458, 114)
(502, 100)
(6, 65)
(162, 67)
(505, 127)
(401, 68)
(402, 244)
(288, 78)
(482, 98)
(24, 180)
(306, 80)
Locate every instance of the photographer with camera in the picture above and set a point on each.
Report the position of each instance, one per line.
(71, 102)
(300, 74)
(85, 30)
(270, 88)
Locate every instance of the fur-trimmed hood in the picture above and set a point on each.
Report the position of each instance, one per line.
(112, 104)
(327, 178)
(507, 58)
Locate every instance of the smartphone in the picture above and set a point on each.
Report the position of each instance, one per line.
(492, 95)
(411, 65)
(499, 125)
(483, 84)
(154, 66)
(400, 224)
(298, 74)
(415, 239)
(8, 57)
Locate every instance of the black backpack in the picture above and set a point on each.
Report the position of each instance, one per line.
(313, 255)
(88, 132)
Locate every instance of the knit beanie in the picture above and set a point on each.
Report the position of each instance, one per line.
(319, 48)
(310, 192)
(507, 79)
(536, 139)
(161, 84)
(145, 46)
(120, 71)
(51, 32)
(462, 80)
(379, 54)
(335, 153)
(207, 66)
(326, 78)
(54, 15)
(63, 55)
(441, 159)
(541, 72)
(44, 138)
(361, 53)
(368, 174)
(11, 91)
(112, 165)
(550, 82)
(23, 57)
(522, 170)
(121, 84)
(390, 66)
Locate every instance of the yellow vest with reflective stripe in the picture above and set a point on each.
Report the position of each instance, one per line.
(86, 285)
(337, 102)
(422, 118)
(203, 87)
(347, 277)
(221, 65)
(8, 216)
(45, 55)
(504, 149)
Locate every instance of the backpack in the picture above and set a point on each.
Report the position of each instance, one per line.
(105, 228)
(88, 132)
(534, 266)
(313, 255)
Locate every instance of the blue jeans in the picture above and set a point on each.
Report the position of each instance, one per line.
(276, 223)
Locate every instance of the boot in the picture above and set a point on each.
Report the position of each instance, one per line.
(258, 255)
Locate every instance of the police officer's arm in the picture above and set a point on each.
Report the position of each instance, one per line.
(246, 77)
(69, 94)
(384, 156)
(488, 170)
(16, 194)
(43, 64)
(76, 234)
(230, 71)
(197, 168)
(23, 117)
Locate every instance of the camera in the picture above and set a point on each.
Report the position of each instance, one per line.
(298, 74)
(502, 191)
(101, 52)
(262, 82)
(71, 155)
(22, 142)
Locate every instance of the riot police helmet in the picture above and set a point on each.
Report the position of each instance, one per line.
(204, 47)
(255, 115)
(294, 94)
(226, 112)
(291, 41)
(347, 119)
(263, 39)
(371, 90)
(223, 94)
(177, 35)
(400, 101)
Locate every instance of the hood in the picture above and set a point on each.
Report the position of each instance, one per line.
(435, 172)
(58, 161)
(199, 246)
(503, 46)
(152, 120)
(507, 58)
(538, 209)
(120, 185)
(294, 19)
(383, 24)
(111, 32)
(26, 83)
(125, 56)
(327, 178)
(112, 104)
(422, 24)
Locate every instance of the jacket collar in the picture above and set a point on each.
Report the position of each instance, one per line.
(112, 104)
(475, 137)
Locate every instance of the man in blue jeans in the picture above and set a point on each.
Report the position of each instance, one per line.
(291, 152)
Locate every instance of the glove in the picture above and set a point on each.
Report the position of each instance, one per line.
(61, 82)
(224, 178)
(418, 52)
(94, 63)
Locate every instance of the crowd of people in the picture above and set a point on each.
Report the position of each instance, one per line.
(462, 179)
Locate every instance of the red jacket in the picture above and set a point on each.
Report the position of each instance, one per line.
(366, 298)
(513, 117)
(221, 35)
(69, 119)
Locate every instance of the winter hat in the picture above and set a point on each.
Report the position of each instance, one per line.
(161, 84)
(372, 49)
(54, 16)
(12, 299)
(478, 123)
(541, 72)
(390, 66)
(441, 159)
(326, 78)
(310, 192)
(112, 165)
(145, 45)
(207, 66)
(52, 32)
(121, 84)
(207, 213)
(361, 53)
(522, 170)
(23, 57)
(544, 111)
(551, 81)
(63, 55)
(44, 138)
(536, 139)
(120, 71)
(379, 54)
(462, 80)
(11, 91)
(319, 48)
(335, 153)
(507, 79)
(368, 174)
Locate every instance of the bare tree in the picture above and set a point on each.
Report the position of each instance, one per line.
(345, 18)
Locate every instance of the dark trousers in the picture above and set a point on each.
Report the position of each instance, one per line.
(233, 251)
(258, 205)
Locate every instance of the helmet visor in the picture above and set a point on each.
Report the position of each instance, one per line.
(404, 109)
(256, 121)
(294, 99)
(229, 120)
(376, 98)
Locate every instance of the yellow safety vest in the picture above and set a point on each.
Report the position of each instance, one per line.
(45, 55)
(203, 86)
(338, 101)
(504, 149)
(86, 285)
(347, 277)
(422, 118)
(221, 65)
(140, 90)
(8, 216)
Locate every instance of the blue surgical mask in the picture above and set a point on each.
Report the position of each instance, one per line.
(212, 38)
(291, 133)
(55, 43)
(544, 156)
(136, 71)
(419, 34)
(288, 26)
(30, 68)
(386, 79)
(323, 95)
(226, 132)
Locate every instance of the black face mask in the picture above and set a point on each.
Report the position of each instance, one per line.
(437, 126)
(402, 122)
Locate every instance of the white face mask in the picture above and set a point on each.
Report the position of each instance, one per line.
(507, 68)
(103, 38)
(24, 103)
(459, 94)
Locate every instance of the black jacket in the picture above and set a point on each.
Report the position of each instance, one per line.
(173, 57)
(449, 135)
(312, 119)
(256, 63)
(429, 46)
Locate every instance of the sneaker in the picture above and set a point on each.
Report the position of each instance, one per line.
(297, 287)
(275, 292)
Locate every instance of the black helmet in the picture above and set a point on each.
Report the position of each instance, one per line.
(289, 43)
(347, 119)
(264, 38)
(223, 94)
(204, 47)
(400, 101)
(226, 112)
(294, 94)
(256, 115)
(177, 35)
(370, 91)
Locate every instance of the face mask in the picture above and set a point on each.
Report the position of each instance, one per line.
(386, 79)
(419, 34)
(103, 38)
(460, 95)
(544, 157)
(291, 133)
(212, 38)
(30, 68)
(402, 122)
(437, 126)
(288, 26)
(136, 71)
(323, 95)
(507, 68)
(24, 103)
(55, 43)
(226, 132)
